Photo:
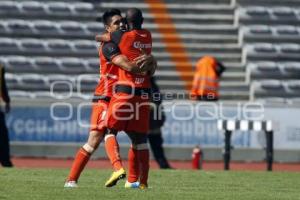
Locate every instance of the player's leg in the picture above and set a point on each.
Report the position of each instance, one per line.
(96, 135)
(115, 121)
(138, 159)
(82, 157)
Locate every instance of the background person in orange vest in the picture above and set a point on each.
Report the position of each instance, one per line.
(206, 79)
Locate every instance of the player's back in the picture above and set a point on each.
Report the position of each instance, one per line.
(130, 45)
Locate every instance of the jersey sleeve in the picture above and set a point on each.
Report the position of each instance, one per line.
(110, 50)
(116, 36)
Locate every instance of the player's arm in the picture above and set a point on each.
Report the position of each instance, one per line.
(104, 37)
(112, 53)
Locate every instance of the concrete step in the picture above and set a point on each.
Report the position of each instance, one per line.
(223, 57)
(292, 3)
(174, 75)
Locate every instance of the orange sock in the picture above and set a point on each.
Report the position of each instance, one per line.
(81, 159)
(113, 152)
(133, 165)
(143, 156)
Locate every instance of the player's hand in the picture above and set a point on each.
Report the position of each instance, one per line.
(145, 62)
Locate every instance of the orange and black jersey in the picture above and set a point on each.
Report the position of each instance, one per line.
(130, 44)
(108, 71)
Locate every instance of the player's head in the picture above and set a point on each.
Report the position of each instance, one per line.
(111, 19)
(134, 17)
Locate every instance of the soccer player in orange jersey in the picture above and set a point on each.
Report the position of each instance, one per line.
(102, 95)
(129, 107)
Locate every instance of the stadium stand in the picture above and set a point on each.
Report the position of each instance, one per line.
(270, 37)
(41, 34)
(256, 40)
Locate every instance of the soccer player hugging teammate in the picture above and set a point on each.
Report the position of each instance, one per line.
(102, 95)
(130, 104)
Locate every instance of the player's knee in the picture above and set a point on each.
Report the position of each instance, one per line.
(110, 133)
(88, 148)
(141, 146)
(139, 142)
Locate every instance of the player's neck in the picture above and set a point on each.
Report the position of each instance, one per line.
(134, 27)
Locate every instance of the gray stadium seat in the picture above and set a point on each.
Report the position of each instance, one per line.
(9, 7)
(94, 27)
(45, 27)
(257, 11)
(59, 46)
(294, 87)
(72, 65)
(290, 48)
(84, 8)
(17, 94)
(87, 83)
(12, 81)
(287, 30)
(72, 28)
(3, 27)
(269, 88)
(59, 8)
(8, 45)
(33, 82)
(264, 48)
(93, 65)
(47, 65)
(85, 46)
(282, 11)
(32, 7)
(20, 64)
(292, 67)
(19, 27)
(61, 83)
(33, 45)
(260, 29)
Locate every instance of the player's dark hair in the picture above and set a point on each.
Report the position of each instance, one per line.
(134, 16)
(107, 15)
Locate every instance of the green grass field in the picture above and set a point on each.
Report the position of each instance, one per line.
(44, 184)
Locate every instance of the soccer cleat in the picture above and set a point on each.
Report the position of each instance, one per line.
(143, 186)
(117, 175)
(70, 184)
(132, 185)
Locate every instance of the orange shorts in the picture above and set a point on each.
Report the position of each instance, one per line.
(128, 114)
(99, 110)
